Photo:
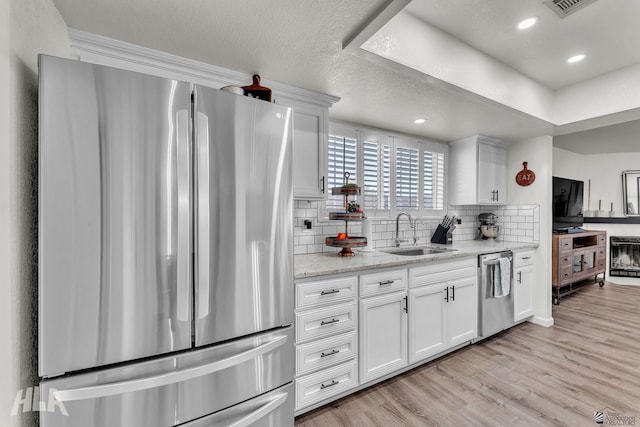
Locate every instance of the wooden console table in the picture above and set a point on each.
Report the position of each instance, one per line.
(578, 260)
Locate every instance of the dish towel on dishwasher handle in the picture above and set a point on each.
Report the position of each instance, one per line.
(502, 278)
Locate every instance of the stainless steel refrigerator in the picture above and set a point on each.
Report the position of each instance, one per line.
(165, 252)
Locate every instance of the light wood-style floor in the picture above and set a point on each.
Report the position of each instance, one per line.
(527, 376)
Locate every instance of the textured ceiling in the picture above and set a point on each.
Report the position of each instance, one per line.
(301, 43)
(607, 30)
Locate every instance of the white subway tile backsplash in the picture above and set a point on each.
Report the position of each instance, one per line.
(518, 223)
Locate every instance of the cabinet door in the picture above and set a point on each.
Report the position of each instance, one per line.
(309, 146)
(383, 335)
(523, 293)
(426, 327)
(492, 172)
(461, 315)
(500, 175)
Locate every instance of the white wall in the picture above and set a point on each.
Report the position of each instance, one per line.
(538, 153)
(568, 164)
(31, 27)
(6, 381)
(599, 97)
(603, 171)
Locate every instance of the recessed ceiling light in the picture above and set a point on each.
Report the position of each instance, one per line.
(419, 121)
(527, 23)
(576, 58)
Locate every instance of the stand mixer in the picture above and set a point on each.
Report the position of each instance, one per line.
(488, 226)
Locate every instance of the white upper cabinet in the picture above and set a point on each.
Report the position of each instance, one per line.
(310, 134)
(478, 171)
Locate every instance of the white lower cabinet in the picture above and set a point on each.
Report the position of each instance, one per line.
(354, 330)
(383, 335)
(523, 285)
(461, 311)
(319, 354)
(326, 383)
(426, 322)
(326, 338)
(443, 307)
(325, 321)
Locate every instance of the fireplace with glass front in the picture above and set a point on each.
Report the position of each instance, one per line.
(624, 256)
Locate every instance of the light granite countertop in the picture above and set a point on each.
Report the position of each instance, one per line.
(321, 264)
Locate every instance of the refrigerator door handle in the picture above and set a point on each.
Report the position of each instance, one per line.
(202, 143)
(183, 233)
(121, 387)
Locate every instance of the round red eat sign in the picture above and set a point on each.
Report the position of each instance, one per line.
(525, 176)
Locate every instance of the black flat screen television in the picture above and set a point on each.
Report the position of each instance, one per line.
(567, 204)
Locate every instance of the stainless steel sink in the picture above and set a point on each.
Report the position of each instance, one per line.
(416, 251)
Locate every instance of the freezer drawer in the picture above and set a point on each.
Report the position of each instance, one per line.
(174, 389)
(273, 409)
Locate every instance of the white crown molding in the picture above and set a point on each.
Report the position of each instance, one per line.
(102, 50)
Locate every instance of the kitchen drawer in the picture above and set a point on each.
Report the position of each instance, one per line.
(383, 282)
(524, 258)
(601, 264)
(321, 292)
(322, 385)
(443, 271)
(326, 352)
(327, 321)
(602, 253)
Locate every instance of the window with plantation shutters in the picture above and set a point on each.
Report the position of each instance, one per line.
(433, 180)
(341, 158)
(395, 174)
(376, 187)
(407, 178)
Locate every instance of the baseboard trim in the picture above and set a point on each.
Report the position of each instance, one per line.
(547, 322)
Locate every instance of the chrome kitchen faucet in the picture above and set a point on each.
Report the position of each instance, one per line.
(411, 224)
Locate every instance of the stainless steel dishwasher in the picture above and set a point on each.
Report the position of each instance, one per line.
(495, 313)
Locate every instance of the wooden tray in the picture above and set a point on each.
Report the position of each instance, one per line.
(347, 216)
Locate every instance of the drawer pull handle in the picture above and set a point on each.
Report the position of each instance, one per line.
(331, 353)
(386, 282)
(526, 257)
(332, 291)
(328, 322)
(331, 384)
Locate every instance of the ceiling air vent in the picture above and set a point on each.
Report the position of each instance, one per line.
(564, 8)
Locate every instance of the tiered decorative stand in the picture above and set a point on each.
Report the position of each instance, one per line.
(343, 240)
